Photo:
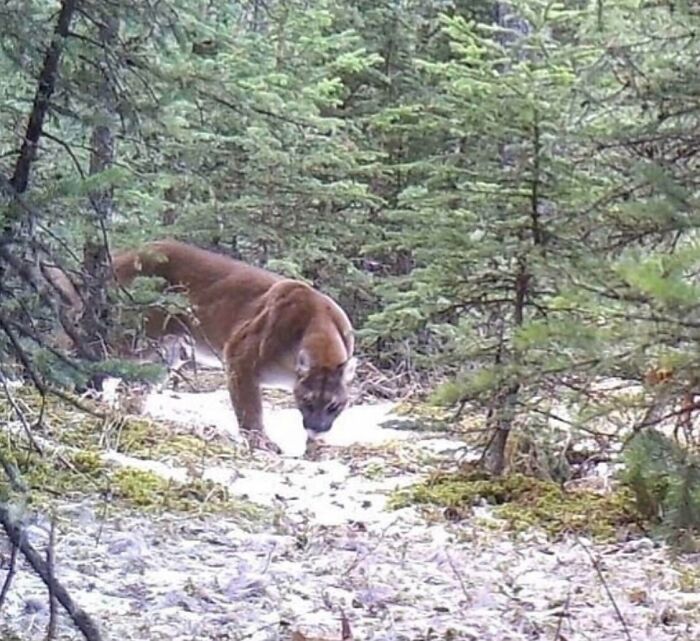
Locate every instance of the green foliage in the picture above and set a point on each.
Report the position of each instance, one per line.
(73, 373)
(665, 480)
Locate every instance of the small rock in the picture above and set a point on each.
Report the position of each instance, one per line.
(638, 545)
(132, 546)
(36, 604)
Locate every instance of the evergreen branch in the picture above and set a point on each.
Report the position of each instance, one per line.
(610, 293)
(683, 411)
(565, 421)
(83, 38)
(44, 390)
(69, 151)
(258, 110)
(31, 280)
(38, 340)
(22, 356)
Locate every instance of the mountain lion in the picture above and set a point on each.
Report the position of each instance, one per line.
(268, 330)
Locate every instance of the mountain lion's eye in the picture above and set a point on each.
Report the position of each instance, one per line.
(333, 408)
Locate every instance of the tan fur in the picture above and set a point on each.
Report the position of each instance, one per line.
(60, 281)
(70, 302)
(267, 329)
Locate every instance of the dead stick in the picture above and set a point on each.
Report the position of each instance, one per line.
(345, 630)
(606, 587)
(20, 415)
(458, 576)
(80, 618)
(50, 555)
(565, 612)
(10, 574)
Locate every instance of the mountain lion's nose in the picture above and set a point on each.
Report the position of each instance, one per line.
(317, 425)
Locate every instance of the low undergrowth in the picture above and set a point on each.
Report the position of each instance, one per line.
(136, 436)
(64, 458)
(78, 474)
(523, 502)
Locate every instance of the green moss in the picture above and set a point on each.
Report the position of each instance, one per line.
(144, 489)
(688, 579)
(87, 462)
(525, 502)
(374, 471)
(72, 467)
(83, 473)
(152, 492)
(136, 436)
(144, 438)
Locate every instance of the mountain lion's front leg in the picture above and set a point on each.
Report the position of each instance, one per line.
(244, 389)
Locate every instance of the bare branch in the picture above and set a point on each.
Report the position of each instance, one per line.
(10, 469)
(50, 554)
(10, 575)
(82, 620)
(606, 587)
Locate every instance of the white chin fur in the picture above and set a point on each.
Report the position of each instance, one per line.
(315, 436)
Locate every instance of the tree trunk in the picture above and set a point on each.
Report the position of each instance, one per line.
(499, 420)
(17, 216)
(502, 412)
(96, 321)
(42, 97)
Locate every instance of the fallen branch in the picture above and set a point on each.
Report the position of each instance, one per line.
(50, 555)
(80, 618)
(9, 576)
(14, 474)
(606, 587)
(558, 636)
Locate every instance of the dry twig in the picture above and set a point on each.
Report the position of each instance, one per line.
(606, 587)
(20, 416)
(9, 576)
(82, 620)
(458, 576)
(50, 554)
(564, 613)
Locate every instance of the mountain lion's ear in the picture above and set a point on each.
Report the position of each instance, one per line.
(349, 369)
(303, 364)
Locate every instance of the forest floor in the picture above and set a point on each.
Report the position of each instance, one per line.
(295, 543)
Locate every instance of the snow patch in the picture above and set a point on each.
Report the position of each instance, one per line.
(358, 424)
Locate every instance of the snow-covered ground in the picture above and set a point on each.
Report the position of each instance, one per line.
(357, 424)
(329, 544)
